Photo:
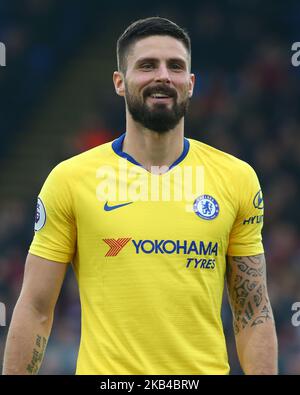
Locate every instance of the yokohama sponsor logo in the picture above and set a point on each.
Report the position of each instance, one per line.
(164, 246)
(116, 245)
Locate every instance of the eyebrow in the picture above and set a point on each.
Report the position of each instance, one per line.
(156, 60)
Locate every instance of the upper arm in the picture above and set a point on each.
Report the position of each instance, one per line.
(42, 283)
(247, 290)
(245, 236)
(55, 225)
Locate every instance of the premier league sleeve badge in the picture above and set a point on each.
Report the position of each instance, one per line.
(40, 215)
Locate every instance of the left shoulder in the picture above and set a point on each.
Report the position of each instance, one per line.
(237, 167)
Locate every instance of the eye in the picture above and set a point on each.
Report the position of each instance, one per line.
(176, 66)
(146, 66)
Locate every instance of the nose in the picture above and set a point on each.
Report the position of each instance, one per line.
(162, 74)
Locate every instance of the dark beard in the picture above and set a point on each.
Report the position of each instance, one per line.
(160, 118)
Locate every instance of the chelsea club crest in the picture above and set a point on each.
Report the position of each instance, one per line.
(206, 207)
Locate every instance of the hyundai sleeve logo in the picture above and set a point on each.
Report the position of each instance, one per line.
(258, 201)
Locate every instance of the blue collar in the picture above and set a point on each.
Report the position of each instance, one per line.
(117, 146)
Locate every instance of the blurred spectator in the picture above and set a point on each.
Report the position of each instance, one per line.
(93, 133)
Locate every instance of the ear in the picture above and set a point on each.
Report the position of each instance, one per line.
(191, 84)
(119, 84)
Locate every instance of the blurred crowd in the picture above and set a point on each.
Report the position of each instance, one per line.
(40, 36)
(246, 102)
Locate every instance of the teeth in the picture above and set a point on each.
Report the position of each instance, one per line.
(159, 95)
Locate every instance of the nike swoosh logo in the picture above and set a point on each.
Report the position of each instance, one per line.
(110, 208)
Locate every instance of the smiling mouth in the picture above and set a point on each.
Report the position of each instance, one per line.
(160, 96)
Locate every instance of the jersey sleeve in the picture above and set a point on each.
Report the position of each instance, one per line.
(55, 228)
(245, 237)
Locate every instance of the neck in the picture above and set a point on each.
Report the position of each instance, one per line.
(150, 148)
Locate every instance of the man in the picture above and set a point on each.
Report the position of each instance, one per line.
(150, 265)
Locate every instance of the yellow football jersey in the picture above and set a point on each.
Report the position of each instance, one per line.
(149, 253)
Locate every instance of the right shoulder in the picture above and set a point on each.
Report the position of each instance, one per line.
(74, 168)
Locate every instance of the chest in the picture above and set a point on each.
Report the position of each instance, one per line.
(156, 208)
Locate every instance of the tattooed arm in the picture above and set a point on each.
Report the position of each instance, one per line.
(253, 320)
(33, 315)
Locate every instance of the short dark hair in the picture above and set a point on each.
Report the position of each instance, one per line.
(154, 26)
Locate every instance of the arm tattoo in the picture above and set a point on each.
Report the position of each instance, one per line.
(37, 355)
(246, 282)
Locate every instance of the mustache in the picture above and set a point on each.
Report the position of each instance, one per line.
(150, 90)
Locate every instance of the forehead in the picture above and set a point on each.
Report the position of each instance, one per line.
(161, 47)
